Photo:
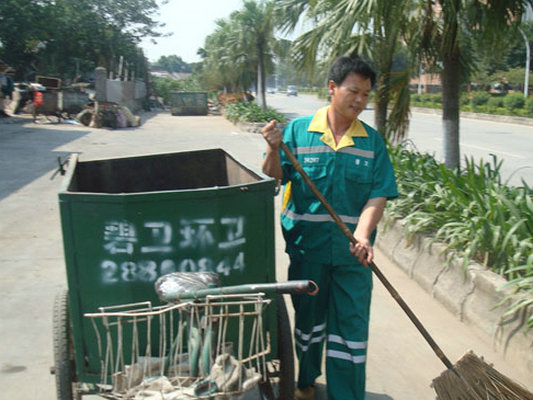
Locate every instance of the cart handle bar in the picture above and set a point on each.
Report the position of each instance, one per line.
(289, 287)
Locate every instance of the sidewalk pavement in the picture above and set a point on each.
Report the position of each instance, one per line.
(400, 364)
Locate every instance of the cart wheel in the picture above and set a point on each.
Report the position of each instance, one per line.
(282, 369)
(64, 364)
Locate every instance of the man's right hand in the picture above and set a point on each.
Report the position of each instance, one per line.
(272, 134)
(271, 163)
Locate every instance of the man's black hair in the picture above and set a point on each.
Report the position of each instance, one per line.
(345, 65)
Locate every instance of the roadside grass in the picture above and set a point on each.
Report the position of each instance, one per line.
(472, 213)
(244, 111)
(512, 104)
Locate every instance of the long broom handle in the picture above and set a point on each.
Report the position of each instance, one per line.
(414, 319)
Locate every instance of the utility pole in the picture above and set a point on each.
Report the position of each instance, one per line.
(420, 79)
(528, 56)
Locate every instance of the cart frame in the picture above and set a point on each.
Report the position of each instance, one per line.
(84, 212)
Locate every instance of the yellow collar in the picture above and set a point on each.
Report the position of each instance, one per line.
(320, 124)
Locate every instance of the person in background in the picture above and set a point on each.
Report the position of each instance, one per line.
(6, 88)
(348, 162)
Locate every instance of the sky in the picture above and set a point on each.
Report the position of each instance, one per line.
(189, 21)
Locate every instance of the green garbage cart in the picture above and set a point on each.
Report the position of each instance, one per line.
(128, 221)
(188, 103)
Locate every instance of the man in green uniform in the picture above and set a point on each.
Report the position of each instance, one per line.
(348, 162)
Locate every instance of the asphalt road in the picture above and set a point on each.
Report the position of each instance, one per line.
(509, 142)
(32, 269)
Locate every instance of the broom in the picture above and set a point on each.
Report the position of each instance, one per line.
(471, 378)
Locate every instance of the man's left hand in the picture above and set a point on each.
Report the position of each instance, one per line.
(363, 251)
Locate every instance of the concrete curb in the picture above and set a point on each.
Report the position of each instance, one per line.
(472, 296)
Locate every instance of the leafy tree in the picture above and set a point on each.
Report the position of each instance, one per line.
(163, 86)
(67, 37)
(173, 64)
(257, 35)
(238, 52)
(225, 67)
(21, 25)
(446, 27)
(516, 54)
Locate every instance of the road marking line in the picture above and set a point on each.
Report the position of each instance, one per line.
(488, 150)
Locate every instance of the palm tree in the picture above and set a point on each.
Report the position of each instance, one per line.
(256, 39)
(225, 67)
(375, 29)
(238, 52)
(446, 27)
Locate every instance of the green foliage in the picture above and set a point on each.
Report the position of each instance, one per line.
(514, 101)
(68, 38)
(482, 102)
(426, 100)
(464, 99)
(244, 111)
(173, 64)
(479, 98)
(516, 76)
(529, 105)
(240, 48)
(163, 86)
(495, 102)
(470, 211)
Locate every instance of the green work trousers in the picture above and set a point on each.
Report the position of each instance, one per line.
(339, 316)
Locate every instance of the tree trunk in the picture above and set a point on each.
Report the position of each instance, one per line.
(380, 114)
(450, 77)
(381, 104)
(261, 98)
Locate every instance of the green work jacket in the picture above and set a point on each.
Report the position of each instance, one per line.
(347, 178)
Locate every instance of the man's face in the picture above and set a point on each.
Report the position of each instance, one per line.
(351, 97)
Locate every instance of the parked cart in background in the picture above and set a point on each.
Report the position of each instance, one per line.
(51, 99)
(127, 222)
(188, 103)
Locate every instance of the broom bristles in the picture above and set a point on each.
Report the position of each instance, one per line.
(473, 379)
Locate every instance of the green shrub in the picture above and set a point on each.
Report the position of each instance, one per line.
(436, 98)
(499, 111)
(514, 101)
(472, 212)
(479, 98)
(244, 111)
(529, 105)
(521, 112)
(495, 102)
(482, 109)
(480, 101)
(464, 99)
